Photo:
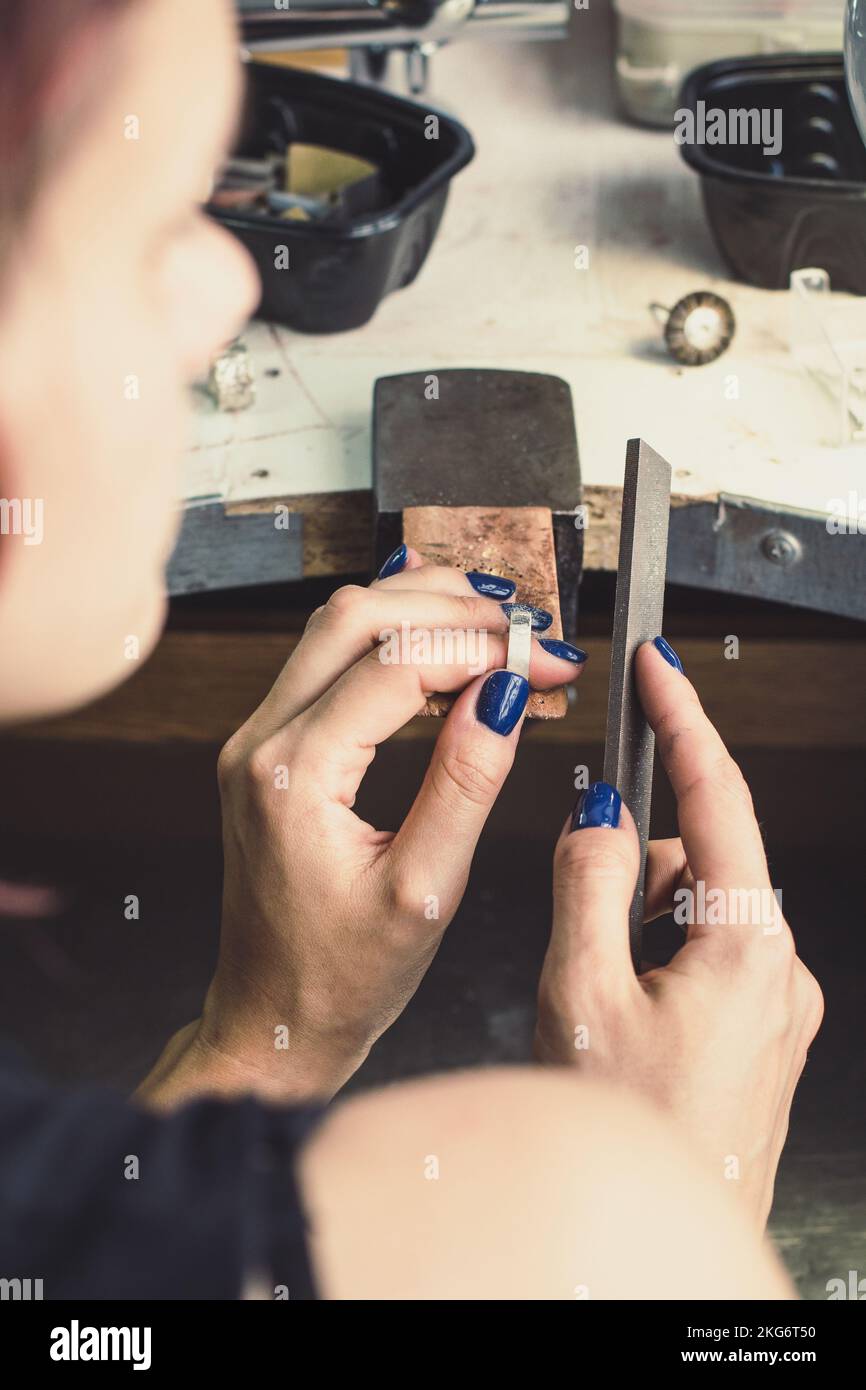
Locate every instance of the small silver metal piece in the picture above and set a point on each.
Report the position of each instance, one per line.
(418, 67)
(279, 202)
(781, 548)
(231, 382)
(519, 642)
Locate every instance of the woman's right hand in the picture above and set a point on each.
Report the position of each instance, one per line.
(718, 1037)
(329, 924)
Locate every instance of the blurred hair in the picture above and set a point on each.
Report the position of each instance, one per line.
(35, 38)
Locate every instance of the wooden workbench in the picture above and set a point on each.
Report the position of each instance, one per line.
(556, 168)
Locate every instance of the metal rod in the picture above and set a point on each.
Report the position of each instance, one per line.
(395, 23)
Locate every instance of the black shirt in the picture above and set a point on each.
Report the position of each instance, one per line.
(102, 1199)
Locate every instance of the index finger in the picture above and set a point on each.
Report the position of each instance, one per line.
(717, 822)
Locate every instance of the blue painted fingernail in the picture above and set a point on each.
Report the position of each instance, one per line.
(599, 806)
(563, 649)
(394, 563)
(491, 585)
(501, 701)
(541, 619)
(668, 653)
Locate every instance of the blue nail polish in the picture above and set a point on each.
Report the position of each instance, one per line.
(563, 649)
(394, 563)
(491, 585)
(599, 806)
(668, 653)
(541, 619)
(501, 701)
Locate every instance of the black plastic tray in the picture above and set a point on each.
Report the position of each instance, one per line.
(806, 206)
(338, 275)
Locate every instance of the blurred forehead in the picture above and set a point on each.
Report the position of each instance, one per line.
(184, 75)
(170, 79)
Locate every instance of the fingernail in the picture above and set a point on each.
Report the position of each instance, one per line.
(394, 563)
(491, 585)
(599, 806)
(541, 619)
(668, 653)
(563, 649)
(501, 701)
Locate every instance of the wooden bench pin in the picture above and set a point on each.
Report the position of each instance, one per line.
(478, 470)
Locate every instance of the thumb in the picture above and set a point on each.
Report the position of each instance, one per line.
(595, 869)
(471, 760)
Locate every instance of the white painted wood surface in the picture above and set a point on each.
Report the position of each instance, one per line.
(556, 168)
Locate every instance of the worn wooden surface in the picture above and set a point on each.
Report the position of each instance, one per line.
(199, 687)
(818, 1223)
(513, 542)
(218, 549)
(337, 527)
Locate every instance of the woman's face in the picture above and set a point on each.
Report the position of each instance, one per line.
(118, 296)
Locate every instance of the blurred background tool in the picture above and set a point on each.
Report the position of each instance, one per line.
(698, 329)
(479, 470)
(346, 191)
(775, 210)
(660, 41)
(638, 612)
(373, 29)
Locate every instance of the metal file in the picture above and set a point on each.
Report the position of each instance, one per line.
(638, 612)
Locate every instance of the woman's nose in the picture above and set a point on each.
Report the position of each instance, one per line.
(226, 292)
(242, 280)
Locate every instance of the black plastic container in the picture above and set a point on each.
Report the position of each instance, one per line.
(338, 274)
(806, 206)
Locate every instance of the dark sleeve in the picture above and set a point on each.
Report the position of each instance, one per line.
(100, 1199)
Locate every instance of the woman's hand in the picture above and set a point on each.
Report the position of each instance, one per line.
(329, 924)
(718, 1037)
